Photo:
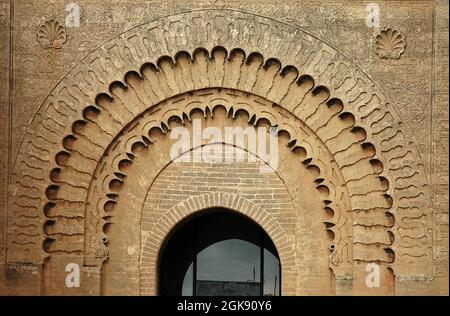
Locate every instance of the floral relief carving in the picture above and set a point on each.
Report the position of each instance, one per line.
(51, 34)
(390, 44)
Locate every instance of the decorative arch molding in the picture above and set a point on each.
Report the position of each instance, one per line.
(148, 129)
(285, 245)
(67, 103)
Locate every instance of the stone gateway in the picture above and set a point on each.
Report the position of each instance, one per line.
(224, 148)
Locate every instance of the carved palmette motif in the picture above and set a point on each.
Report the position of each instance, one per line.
(51, 34)
(390, 44)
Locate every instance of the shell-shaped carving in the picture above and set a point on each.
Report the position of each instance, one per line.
(51, 34)
(390, 44)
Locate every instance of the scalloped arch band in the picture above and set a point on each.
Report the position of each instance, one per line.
(179, 110)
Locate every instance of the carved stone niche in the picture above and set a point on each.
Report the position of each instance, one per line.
(390, 44)
(51, 34)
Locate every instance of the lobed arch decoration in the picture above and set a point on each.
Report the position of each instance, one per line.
(331, 80)
(147, 131)
(148, 159)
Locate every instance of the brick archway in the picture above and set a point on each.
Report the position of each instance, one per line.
(285, 246)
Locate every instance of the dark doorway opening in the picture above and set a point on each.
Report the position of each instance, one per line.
(219, 253)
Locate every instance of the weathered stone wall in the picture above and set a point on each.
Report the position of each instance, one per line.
(416, 82)
(5, 75)
(440, 151)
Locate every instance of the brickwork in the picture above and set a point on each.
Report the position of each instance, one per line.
(241, 186)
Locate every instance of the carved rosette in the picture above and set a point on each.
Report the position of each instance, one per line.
(51, 34)
(390, 44)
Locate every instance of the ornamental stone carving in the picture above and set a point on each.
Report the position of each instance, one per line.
(390, 44)
(51, 34)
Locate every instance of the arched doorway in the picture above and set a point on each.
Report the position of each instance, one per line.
(343, 135)
(219, 253)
